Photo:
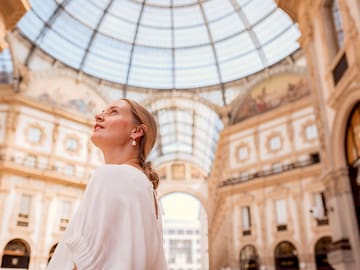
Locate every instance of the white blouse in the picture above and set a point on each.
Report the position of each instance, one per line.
(116, 225)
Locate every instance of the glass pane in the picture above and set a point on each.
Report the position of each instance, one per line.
(126, 10)
(85, 11)
(217, 9)
(156, 17)
(65, 209)
(191, 37)
(226, 27)
(25, 204)
(256, 10)
(281, 215)
(31, 25)
(187, 17)
(44, 11)
(72, 30)
(145, 37)
(118, 28)
(245, 218)
(279, 23)
(62, 49)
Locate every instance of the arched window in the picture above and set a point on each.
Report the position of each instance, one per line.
(337, 21)
(333, 27)
(249, 259)
(322, 247)
(286, 256)
(16, 255)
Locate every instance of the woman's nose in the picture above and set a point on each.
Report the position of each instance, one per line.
(99, 117)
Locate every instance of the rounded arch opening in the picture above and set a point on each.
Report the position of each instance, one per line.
(352, 153)
(185, 231)
(16, 254)
(249, 258)
(322, 247)
(286, 256)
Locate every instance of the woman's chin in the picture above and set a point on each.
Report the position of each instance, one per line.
(95, 139)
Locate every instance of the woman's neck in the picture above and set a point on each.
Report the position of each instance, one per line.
(124, 156)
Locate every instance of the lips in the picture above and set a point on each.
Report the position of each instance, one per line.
(98, 126)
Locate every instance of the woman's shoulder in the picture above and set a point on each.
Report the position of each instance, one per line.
(118, 168)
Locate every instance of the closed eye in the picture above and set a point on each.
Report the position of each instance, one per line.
(113, 111)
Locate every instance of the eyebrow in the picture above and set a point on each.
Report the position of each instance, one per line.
(111, 107)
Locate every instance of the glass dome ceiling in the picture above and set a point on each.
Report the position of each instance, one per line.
(188, 131)
(162, 44)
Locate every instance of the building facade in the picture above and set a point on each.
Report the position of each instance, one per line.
(330, 36)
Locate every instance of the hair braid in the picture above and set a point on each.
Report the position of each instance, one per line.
(149, 172)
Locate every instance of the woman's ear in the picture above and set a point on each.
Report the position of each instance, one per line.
(138, 131)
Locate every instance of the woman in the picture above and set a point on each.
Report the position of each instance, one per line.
(118, 225)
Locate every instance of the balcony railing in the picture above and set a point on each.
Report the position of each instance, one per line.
(43, 166)
(313, 159)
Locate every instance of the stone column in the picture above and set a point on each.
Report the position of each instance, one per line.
(4, 193)
(344, 254)
(265, 254)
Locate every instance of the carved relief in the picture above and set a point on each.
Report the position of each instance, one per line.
(337, 183)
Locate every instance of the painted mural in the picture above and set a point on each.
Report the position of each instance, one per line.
(271, 94)
(66, 93)
(80, 105)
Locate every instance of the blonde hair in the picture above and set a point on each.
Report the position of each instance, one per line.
(143, 116)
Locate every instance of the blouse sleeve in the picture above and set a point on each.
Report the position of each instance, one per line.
(114, 223)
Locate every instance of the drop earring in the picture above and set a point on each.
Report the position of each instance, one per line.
(133, 143)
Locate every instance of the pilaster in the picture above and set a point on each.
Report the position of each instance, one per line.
(346, 245)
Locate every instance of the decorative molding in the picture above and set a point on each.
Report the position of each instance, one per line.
(67, 144)
(306, 125)
(274, 135)
(41, 129)
(337, 183)
(245, 147)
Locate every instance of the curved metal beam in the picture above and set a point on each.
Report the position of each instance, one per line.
(132, 48)
(95, 31)
(46, 27)
(214, 52)
(172, 46)
(252, 33)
